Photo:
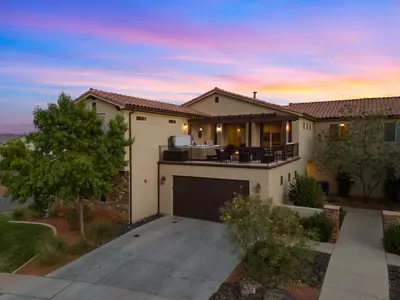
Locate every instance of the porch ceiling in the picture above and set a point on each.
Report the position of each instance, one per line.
(257, 118)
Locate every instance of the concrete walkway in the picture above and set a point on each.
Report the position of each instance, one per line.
(357, 269)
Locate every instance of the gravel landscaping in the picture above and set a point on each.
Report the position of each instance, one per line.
(394, 282)
(234, 290)
(123, 228)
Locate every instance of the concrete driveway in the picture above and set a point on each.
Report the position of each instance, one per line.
(169, 258)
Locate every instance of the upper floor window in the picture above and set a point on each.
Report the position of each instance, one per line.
(304, 125)
(103, 120)
(94, 107)
(140, 118)
(338, 130)
(392, 132)
(216, 99)
(172, 121)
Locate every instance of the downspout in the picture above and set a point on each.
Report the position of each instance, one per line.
(158, 185)
(130, 168)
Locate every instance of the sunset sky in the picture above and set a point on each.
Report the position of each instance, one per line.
(288, 51)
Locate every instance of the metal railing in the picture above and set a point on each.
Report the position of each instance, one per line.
(229, 154)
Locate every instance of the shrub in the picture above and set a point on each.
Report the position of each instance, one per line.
(24, 213)
(272, 242)
(81, 247)
(100, 233)
(305, 191)
(321, 224)
(72, 216)
(51, 250)
(345, 182)
(391, 239)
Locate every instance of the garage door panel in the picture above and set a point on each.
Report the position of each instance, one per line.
(198, 197)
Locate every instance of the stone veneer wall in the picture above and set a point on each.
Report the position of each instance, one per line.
(333, 212)
(116, 207)
(390, 217)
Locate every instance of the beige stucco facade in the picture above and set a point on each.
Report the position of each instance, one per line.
(228, 106)
(148, 136)
(268, 179)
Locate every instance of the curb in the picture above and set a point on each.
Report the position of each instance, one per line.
(33, 223)
(37, 223)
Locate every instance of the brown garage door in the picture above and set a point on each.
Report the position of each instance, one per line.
(201, 198)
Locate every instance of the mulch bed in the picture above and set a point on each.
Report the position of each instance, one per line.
(394, 282)
(123, 228)
(308, 290)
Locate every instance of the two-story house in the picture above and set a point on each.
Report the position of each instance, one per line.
(225, 143)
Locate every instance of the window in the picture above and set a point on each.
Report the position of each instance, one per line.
(172, 121)
(304, 125)
(216, 99)
(392, 132)
(288, 177)
(281, 180)
(295, 173)
(200, 132)
(103, 120)
(94, 108)
(289, 130)
(310, 126)
(140, 118)
(338, 130)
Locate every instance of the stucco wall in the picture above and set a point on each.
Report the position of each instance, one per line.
(277, 191)
(148, 136)
(228, 106)
(269, 179)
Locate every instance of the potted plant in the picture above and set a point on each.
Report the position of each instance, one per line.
(391, 186)
(345, 182)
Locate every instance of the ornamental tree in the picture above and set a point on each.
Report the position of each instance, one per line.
(69, 156)
(365, 147)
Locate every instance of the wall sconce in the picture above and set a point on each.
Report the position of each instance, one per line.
(238, 130)
(341, 125)
(185, 126)
(201, 129)
(219, 128)
(287, 127)
(162, 180)
(257, 188)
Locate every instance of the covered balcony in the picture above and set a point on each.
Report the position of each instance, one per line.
(263, 139)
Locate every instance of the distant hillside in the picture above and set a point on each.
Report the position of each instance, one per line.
(4, 138)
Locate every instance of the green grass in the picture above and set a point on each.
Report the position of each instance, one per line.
(18, 243)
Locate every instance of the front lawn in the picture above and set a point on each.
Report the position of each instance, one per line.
(18, 243)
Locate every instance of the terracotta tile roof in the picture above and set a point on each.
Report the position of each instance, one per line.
(242, 97)
(332, 109)
(131, 101)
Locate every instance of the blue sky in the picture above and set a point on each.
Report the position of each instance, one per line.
(288, 51)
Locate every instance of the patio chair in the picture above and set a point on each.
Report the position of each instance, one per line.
(221, 155)
(244, 155)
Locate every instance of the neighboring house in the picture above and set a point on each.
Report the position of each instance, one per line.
(267, 145)
(5, 138)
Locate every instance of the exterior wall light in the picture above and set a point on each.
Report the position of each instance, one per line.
(341, 125)
(201, 129)
(219, 128)
(185, 126)
(162, 180)
(257, 188)
(287, 127)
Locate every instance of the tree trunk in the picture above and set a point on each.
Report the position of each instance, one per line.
(81, 222)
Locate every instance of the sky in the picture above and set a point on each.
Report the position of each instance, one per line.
(175, 50)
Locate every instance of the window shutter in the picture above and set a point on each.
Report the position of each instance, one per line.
(390, 132)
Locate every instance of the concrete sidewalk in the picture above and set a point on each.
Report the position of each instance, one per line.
(357, 268)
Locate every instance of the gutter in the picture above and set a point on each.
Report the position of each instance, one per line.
(130, 168)
(158, 186)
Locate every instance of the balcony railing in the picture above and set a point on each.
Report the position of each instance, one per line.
(229, 154)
